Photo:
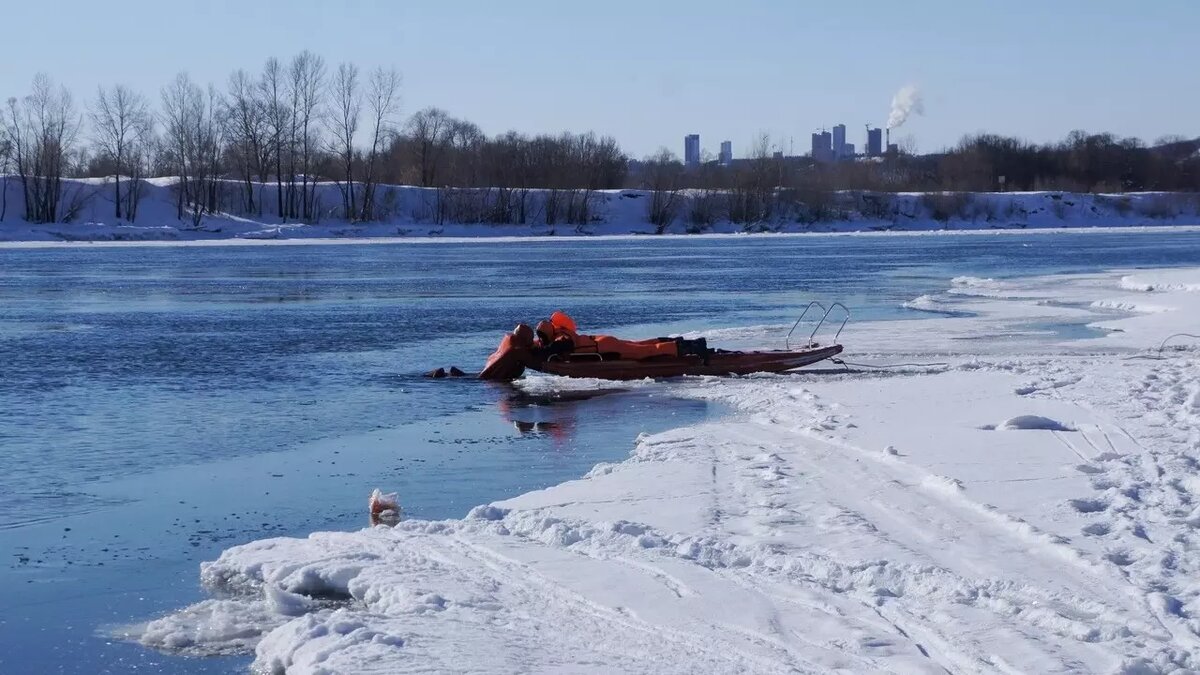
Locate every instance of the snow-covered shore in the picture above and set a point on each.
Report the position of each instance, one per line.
(411, 213)
(1032, 505)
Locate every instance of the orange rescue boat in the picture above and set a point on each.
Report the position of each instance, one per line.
(518, 351)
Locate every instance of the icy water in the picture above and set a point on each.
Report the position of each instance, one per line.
(158, 405)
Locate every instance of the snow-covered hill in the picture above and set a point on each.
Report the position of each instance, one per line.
(405, 211)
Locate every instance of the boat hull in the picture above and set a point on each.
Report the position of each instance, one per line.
(719, 363)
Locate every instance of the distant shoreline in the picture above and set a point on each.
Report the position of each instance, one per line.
(572, 238)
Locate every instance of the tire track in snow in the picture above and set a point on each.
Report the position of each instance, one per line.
(958, 514)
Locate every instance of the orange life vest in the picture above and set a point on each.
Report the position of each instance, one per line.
(564, 326)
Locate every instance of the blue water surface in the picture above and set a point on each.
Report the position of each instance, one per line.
(159, 404)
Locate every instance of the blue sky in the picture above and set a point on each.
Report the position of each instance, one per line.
(649, 72)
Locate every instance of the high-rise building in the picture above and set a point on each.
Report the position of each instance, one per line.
(822, 146)
(726, 157)
(874, 142)
(839, 141)
(691, 150)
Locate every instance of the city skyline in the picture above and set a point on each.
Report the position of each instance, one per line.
(1020, 73)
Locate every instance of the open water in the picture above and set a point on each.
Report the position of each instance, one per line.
(159, 404)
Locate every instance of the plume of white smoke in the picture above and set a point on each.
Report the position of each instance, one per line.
(904, 103)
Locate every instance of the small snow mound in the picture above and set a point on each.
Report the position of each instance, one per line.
(1139, 666)
(973, 282)
(553, 385)
(208, 628)
(487, 512)
(286, 603)
(943, 484)
(313, 644)
(1193, 520)
(1031, 422)
(1135, 284)
(1129, 306)
(926, 303)
(933, 305)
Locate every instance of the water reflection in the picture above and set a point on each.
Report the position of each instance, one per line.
(554, 416)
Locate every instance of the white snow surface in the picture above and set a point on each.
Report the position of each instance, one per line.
(412, 213)
(871, 521)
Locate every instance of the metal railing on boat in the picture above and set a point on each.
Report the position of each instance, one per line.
(824, 315)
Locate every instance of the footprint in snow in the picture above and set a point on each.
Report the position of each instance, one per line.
(1119, 558)
(1088, 505)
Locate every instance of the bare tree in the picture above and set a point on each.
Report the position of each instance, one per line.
(383, 100)
(307, 86)
(272, 91)
(180, 101)
(120, 117)
(6, 147)
(140, 161)
(462, 144)
(752, 196)
(343, 124)
(428, 129)
(193, 125)
(663, 175)
(42, 130)
(248, 131)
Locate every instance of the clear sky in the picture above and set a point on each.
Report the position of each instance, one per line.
(650, 71)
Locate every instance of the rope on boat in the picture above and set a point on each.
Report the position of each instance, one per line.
(882, 366)
(1158, 355)
(1170, 337)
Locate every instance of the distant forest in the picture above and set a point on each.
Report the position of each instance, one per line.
(295, 123)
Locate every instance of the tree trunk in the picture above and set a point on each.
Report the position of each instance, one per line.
(117, 184)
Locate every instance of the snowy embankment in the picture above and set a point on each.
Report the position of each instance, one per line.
(1032, 505)
(411, 212)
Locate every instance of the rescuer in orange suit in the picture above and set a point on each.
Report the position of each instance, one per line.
(560, 335)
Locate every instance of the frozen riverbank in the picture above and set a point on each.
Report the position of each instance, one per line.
(413, 213)
(906, 520)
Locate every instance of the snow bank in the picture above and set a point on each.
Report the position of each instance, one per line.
(859, 522)
(412, 212)
(1162, 281)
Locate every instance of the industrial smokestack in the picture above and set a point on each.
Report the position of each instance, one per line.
(905, 102)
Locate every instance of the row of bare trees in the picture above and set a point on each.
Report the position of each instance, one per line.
(747, 192)
(40, 133)
(436, 149)
(279, 127)
(260, 145)
(1081, 162)
(276, 134)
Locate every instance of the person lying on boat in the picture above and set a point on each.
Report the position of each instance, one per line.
(560, 335)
